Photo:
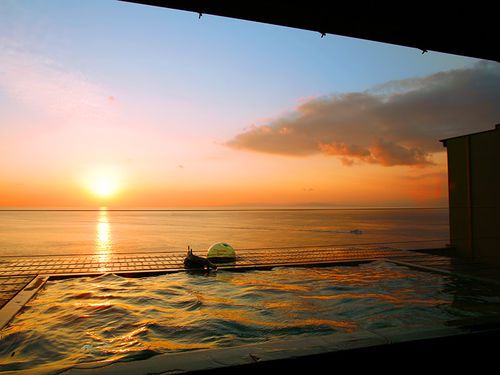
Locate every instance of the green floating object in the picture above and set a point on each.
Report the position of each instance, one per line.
(221, 252)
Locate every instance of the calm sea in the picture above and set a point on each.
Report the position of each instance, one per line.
(90, 232)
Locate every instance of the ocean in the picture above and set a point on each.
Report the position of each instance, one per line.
(24, 233)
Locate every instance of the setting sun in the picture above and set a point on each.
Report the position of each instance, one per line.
(102, 181)
(104, 187)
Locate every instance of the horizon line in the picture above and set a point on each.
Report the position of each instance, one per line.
(226, 209)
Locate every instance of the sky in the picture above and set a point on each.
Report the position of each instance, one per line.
(106, 103)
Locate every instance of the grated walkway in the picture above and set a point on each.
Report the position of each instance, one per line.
(159, 262)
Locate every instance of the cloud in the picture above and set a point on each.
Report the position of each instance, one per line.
(382, 152)
(397, 123)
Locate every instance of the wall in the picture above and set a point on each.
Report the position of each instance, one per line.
(474, 193)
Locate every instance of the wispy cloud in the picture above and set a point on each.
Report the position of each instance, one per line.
(43, 85)
(397, 123)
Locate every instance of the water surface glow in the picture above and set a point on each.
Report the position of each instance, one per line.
(111, 318)
(103, 240)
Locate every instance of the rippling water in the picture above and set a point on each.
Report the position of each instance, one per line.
(103, 231)
(110, 318)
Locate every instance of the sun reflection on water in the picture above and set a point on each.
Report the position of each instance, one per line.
(103, 240)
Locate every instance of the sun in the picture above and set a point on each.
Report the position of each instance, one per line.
(104, 187)
(103, 182)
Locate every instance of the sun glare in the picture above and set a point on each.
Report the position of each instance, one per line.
(104, 187)
(103, 182)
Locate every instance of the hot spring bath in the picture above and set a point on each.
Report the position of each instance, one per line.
(112, 318)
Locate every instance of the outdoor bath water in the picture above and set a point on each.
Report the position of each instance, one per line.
(112, 318)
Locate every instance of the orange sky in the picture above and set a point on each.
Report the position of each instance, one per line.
(233, 179)
(217, 113)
